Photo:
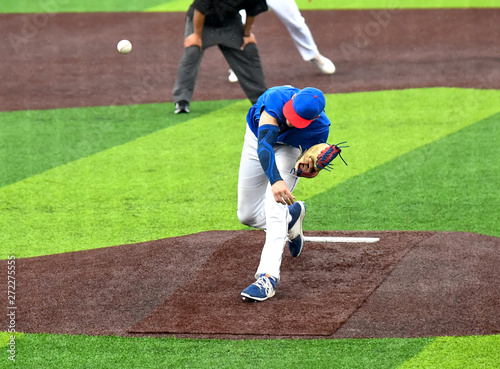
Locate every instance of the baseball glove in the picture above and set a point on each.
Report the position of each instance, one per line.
(321, 155)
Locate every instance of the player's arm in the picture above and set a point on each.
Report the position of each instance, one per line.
(194, 39)
(268, 133)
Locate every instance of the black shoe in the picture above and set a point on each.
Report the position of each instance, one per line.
(181, 107)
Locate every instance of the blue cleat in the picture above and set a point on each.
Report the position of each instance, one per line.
(295, 233)
(260, 290)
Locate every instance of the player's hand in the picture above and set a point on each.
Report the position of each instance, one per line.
(282, 193)
(309, 167)
(248, 40)
(192, 40)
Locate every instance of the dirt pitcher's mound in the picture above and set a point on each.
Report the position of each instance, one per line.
(408, 284)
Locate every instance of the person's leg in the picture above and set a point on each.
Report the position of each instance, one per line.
(289, 14)
(277, 215)
(252, 184)
(247, 66)
(187, 71)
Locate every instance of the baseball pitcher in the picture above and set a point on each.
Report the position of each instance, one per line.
(284, 123)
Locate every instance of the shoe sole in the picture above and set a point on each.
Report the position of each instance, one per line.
(301, 222)
(248, 298)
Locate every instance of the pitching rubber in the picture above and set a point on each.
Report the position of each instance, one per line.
(342, 239)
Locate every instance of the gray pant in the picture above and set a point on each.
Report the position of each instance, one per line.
(245, 63)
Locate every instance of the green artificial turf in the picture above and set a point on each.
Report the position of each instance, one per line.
(80, 351)
(63, 6)
(433, 143)
(54, 6)
(159, 185)
(458, 352)
(62, 351)
(34, 141)
(449, 184)
(378, 166)
(395, 4)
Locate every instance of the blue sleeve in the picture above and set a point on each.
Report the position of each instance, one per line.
(268, 134)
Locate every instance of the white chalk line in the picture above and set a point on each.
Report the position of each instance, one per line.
(342, 239)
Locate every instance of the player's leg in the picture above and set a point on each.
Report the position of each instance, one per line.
(247, 66)
(277, 220)
(252, 184)
(289, 14)
(277, 215)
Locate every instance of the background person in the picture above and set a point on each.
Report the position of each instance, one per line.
(218, 22)
(289, 14)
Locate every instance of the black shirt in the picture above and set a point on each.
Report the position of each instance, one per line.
(218, 12)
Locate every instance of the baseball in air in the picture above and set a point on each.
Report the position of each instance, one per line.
(124, 46)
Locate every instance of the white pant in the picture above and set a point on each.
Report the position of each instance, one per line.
(289, 14)
(256, 205)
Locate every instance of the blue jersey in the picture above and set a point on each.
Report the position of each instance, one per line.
(272, 101)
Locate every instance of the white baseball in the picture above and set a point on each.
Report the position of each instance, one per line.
(124, 46)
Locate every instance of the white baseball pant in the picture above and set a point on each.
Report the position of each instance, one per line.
(289, 14)
(256, 204)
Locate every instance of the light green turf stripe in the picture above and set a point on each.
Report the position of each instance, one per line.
(71, 6)
(60, 6)
(171, 6)
(458, 352)
(5, 338)
(395, 4)
(183, 179)
(181, 5)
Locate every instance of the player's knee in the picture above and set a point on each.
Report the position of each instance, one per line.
(246, 217)
(243, 217)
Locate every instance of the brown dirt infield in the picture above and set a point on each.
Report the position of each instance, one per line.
(72, 61)
(409, 284)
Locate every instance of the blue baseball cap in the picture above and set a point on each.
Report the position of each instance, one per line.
(304, 107)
